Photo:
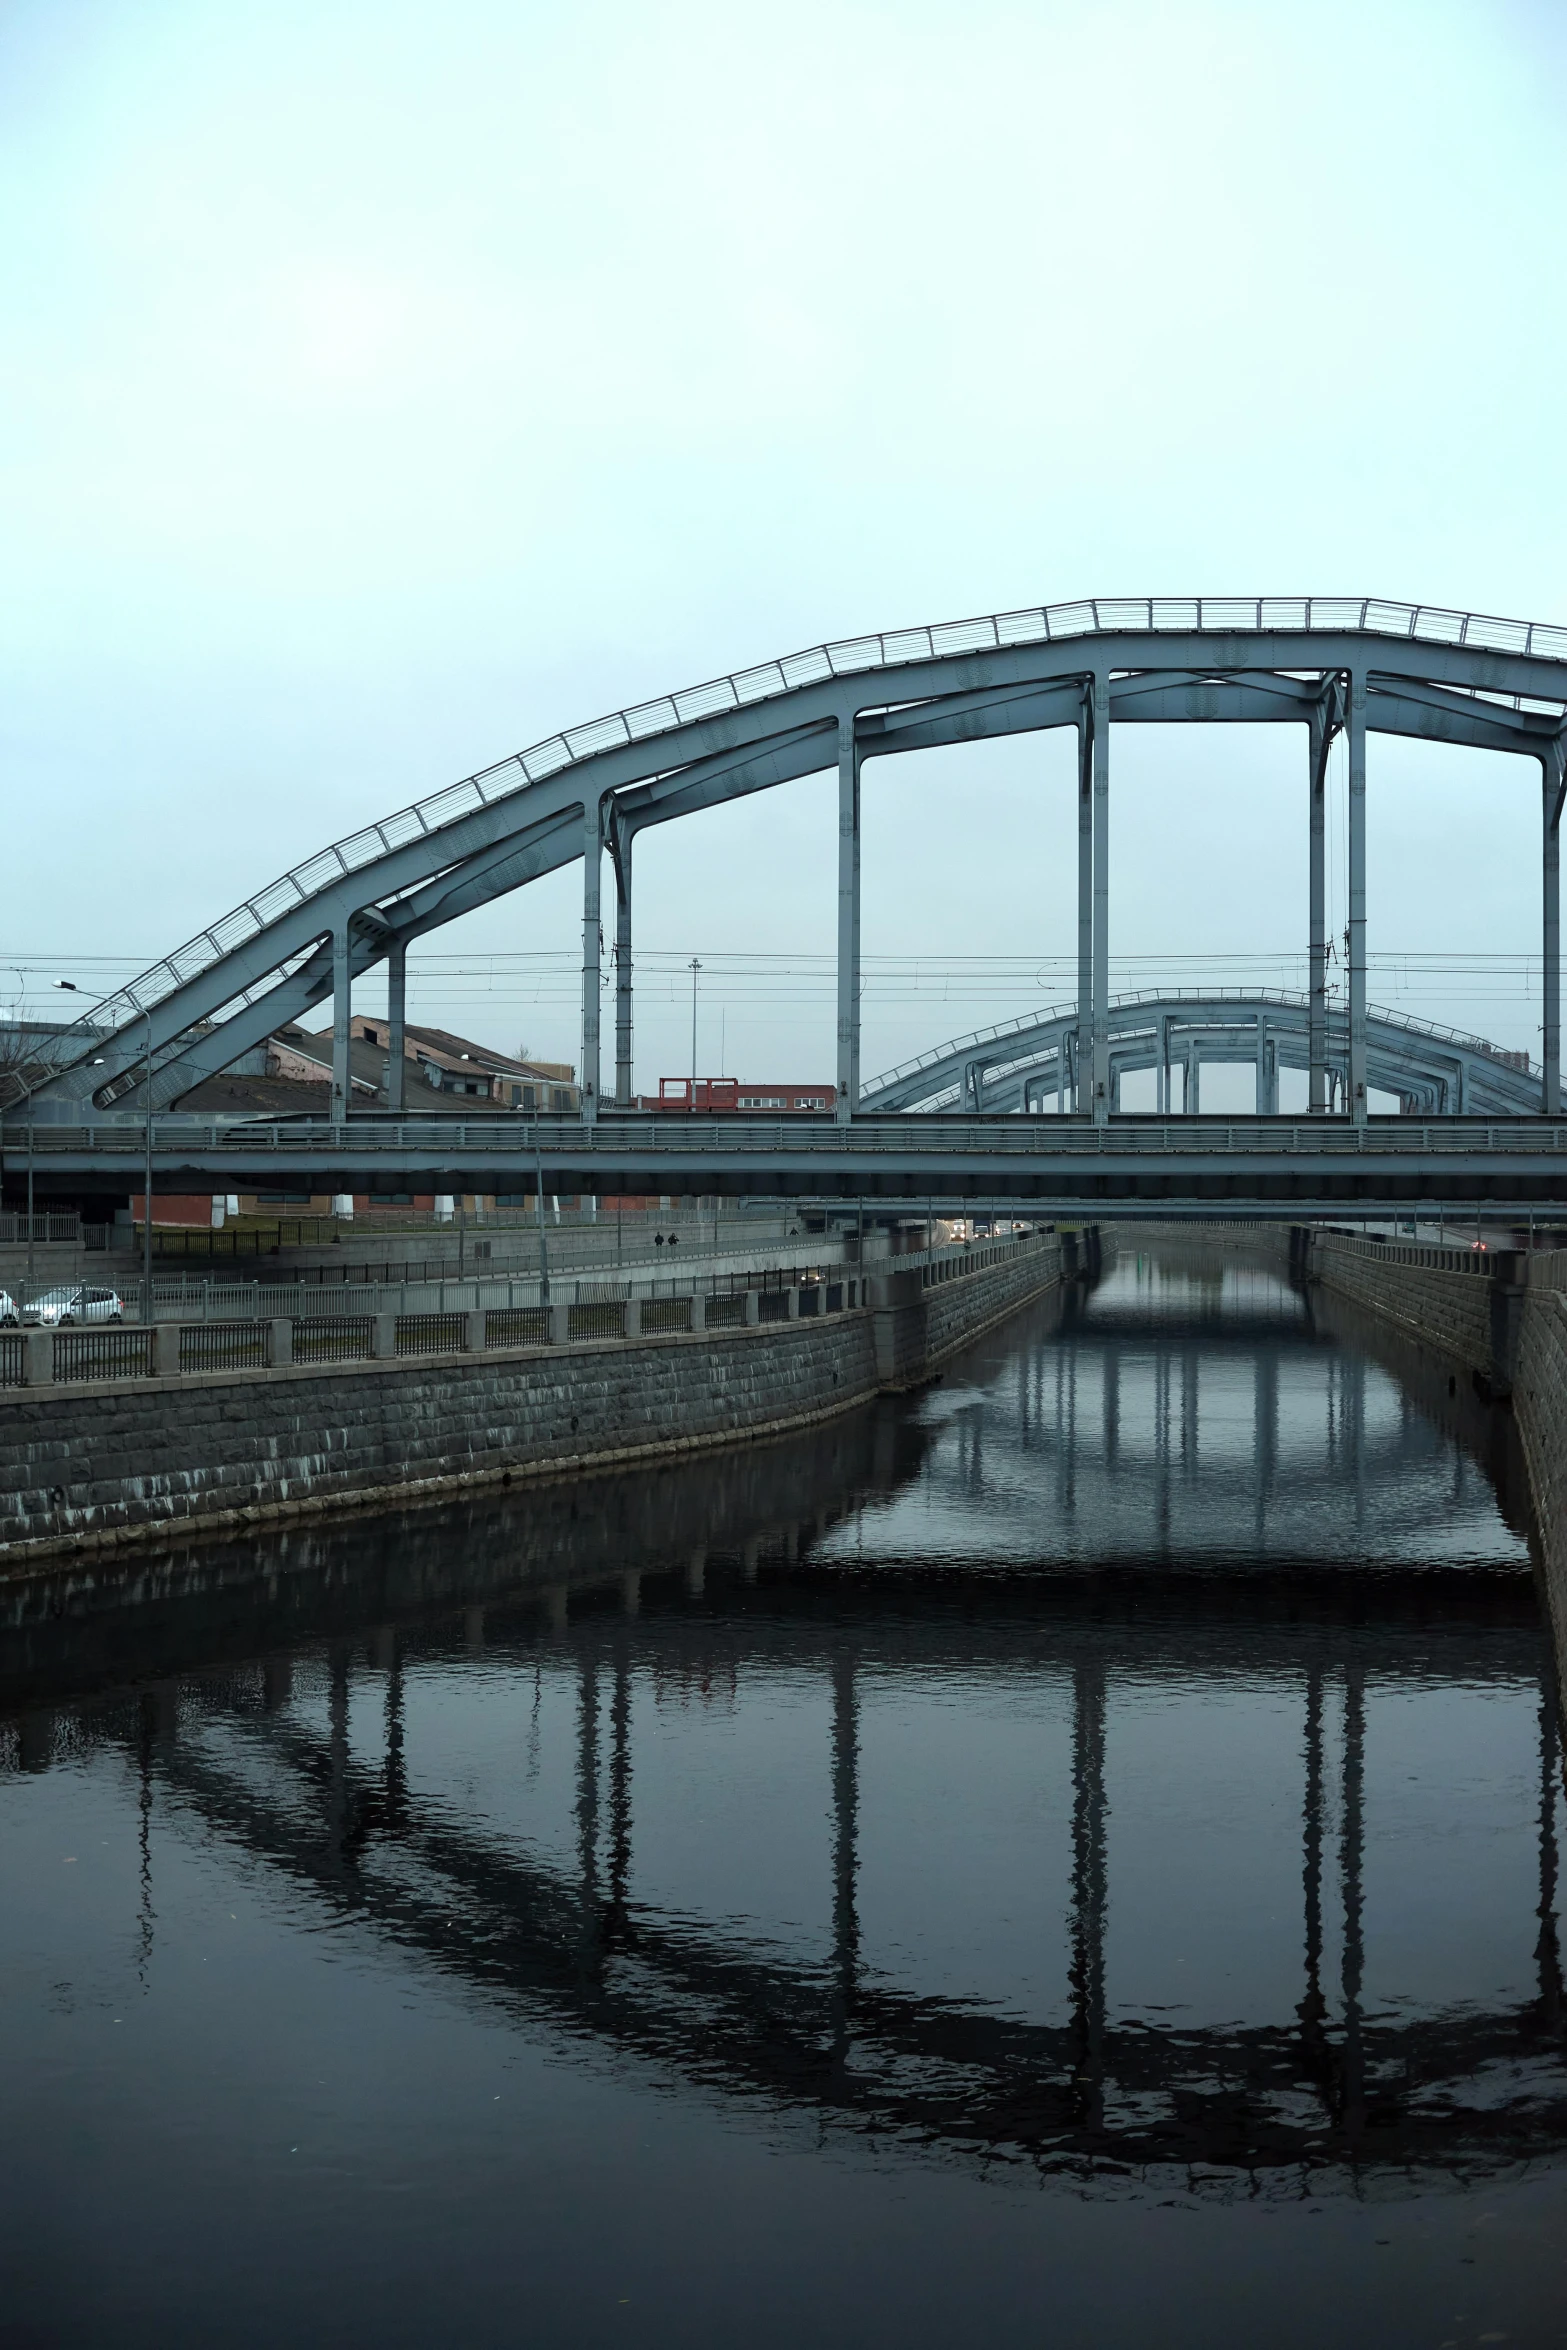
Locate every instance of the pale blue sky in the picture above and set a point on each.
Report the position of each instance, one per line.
(386, 386)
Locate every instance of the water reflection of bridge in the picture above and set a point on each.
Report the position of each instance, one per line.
(276, 1714)
(330, 1794)
(1328, 2084)
(1246, 1424)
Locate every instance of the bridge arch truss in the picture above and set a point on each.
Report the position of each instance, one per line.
(1334, 666)
(1032, 1064)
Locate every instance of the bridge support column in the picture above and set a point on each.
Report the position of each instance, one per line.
(848, 920)
(1553, 769)
(1083, 1058)
(342, 1009)
(1262, 1066)
(592, 953)
(620, 850)
(396, 1025)
(1101, 996)
(1357, 897)
(1317, 1039)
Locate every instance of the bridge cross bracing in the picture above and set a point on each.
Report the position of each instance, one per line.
(1336, 666)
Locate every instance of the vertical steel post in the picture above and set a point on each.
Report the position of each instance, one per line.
(1101, 991)
(1553, 771)
(1262, 1067)
(620, 847)
(397, 1025)
(1317, 1051)
(848, 920)
(592, 952)
(1357, 896)
(1084, 1057)
(342, 1010)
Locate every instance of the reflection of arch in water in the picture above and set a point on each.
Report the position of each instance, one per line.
(1103, 1450)
(1324, 2086)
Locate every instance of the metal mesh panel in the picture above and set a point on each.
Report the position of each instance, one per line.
(722, 1310)
(600, 1321)
(102, 1354)
(223, 1346)
(431, 1334)
(517, 1326)
(666, 1313)
(10, 1358)
(332, 1338)
(774, 1305)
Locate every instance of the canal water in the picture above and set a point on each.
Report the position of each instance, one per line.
(1068, 1858)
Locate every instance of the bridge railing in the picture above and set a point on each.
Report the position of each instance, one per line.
(617, 1142)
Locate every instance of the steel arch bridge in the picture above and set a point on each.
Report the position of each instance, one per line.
(1030, 1063)
(1331, 665)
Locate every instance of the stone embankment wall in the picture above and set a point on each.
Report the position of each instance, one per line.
(1443, 1296)
(113, 1459)
(1501, 1314)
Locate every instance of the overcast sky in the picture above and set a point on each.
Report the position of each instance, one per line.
(387, 386)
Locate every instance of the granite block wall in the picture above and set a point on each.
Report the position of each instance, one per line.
(106, 1462)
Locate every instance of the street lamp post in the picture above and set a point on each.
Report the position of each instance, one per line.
(146, 1198)
(695, 968)
(538, 1201)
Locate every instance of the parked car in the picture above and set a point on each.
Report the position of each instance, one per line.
(8, 1313)
(74, 1301)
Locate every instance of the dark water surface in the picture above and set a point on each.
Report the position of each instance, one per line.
(1070, 1858)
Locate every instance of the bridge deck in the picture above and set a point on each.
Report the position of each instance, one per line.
(1269, 1165)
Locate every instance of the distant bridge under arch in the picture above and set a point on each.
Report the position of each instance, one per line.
(1031, 1063)
(1332, 666)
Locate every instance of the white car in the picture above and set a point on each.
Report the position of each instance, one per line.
(74, 1301)
(9, 1317)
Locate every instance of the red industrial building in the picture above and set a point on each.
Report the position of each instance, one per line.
(739, 1097)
